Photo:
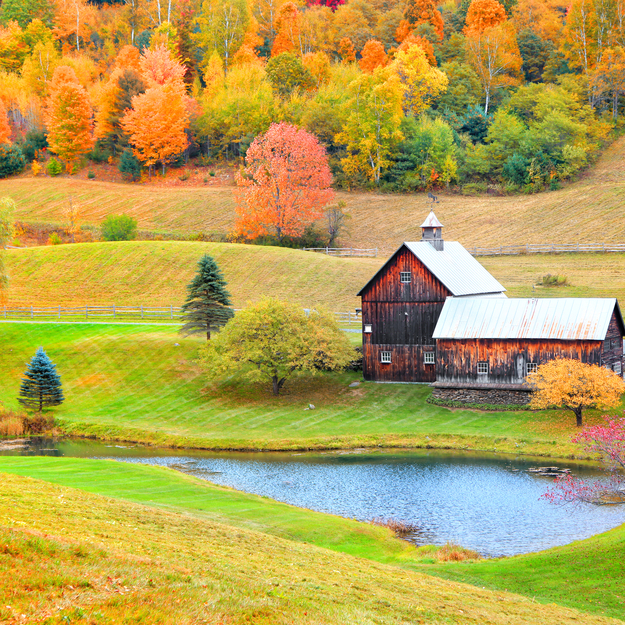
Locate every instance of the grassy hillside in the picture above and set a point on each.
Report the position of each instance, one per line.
(134, 383)
(152, 272)
(588, 210)
(157, 272)
(111, 561)
(553, 575)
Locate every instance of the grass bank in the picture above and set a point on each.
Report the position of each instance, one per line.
(585, 211)
(98, 537)
(139, 383)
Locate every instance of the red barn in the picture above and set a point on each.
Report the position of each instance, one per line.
(401, 304)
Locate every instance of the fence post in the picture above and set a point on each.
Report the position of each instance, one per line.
(32, 316)
(59, 311)
(86, 312)
(141, 311)
(114, 312)
(171, 311)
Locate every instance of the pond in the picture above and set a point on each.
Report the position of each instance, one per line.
(484, 502)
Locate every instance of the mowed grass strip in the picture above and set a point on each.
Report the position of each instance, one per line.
(67, 555)
(587, 211)
(135, 383)
(156, 273)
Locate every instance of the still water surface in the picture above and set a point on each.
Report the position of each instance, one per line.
(485, 502)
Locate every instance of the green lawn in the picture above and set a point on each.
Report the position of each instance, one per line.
(586, 575)
(135, 383)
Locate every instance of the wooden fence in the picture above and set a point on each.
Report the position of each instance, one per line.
(546, 248)
(343, 251)
(120, 313)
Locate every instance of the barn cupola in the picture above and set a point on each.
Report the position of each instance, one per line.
(432, 232)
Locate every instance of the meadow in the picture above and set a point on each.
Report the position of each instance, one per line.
(112, 561)
(589, 210)
(140, 383)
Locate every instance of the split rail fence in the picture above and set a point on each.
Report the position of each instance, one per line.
(343, 251)
(546, 248)
(136, 314)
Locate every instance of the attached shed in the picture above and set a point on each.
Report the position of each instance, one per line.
(402, 302)
(485, 348)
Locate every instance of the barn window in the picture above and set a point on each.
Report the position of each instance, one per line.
(606, 345)
(531, 367)
(368, 328)
(405, 277)
(617, 368)
(428, 358)
(385, 357)
(482, 368)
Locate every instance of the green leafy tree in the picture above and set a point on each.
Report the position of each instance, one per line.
(270, 340)
(287, 74)
(41, 386)
(119, 228)
(12, 160)
(25, 11)
(464, 88)
(535, 53)
(208, 302)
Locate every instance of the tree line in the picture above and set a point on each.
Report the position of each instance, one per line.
(404, 95)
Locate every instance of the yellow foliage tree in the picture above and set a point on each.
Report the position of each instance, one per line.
(574, 385)
(420, 81)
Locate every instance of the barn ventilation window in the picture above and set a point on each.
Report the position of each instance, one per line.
(531, 367)
(385, 357)
(368, 328)
(617, 368)
(428, 358)
(482, 368)
(405, 277)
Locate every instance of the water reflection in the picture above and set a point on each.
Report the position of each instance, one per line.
(487, 503)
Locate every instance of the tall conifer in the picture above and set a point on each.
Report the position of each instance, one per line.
(41, 385)
(208, 302)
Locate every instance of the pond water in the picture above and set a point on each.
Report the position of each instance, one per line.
(484, 502)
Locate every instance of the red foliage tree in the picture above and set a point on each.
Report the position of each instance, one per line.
(285, 183)
(332, 4)
(608, 441)
(372, 56)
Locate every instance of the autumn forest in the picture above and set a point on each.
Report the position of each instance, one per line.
(404, 95)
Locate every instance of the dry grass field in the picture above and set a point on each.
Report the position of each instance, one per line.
(591, 209)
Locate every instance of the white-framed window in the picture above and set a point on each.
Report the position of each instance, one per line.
(618, 368)
(368, 328)
(482, 368)
(428, 358)
(531, 367)
(405, 277)
(385, 357)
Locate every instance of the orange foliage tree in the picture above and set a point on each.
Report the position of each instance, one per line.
(156, 124)
(346, 50)
(160, 67)
(285, 183)
(608, 77)
(424, 12)
(483, 14)
(288, 28)
(68, 116)
(372, 56)
(5, 129)
(575, 385)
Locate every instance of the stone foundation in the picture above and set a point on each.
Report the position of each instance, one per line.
(482, 396)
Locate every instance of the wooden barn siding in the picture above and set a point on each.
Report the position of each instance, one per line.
(612, 352)
(402, 323)
(456, 360)
(407, 364)
(424, 287)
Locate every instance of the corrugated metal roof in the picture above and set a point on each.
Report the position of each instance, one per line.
(431, 221)
(564, 319)
(456, 268)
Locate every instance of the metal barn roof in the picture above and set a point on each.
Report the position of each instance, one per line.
(431, 221)
(454, 267)
(561, 319)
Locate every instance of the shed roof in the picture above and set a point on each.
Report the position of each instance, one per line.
(561, 319)
(453, 266)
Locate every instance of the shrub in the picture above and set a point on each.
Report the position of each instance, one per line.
(129, 165)
(515, 169)
(36, 168)
(11, 160)
(90, 174)
(54, 167)
(119, 228)
(34, 141)
(553, 280)
(54, 239)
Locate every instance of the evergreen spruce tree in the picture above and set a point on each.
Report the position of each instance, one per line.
(208, 302)
(42, 385)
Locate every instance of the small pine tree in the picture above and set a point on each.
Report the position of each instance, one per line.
(129, 164)
(208, 302)
(42, 385)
